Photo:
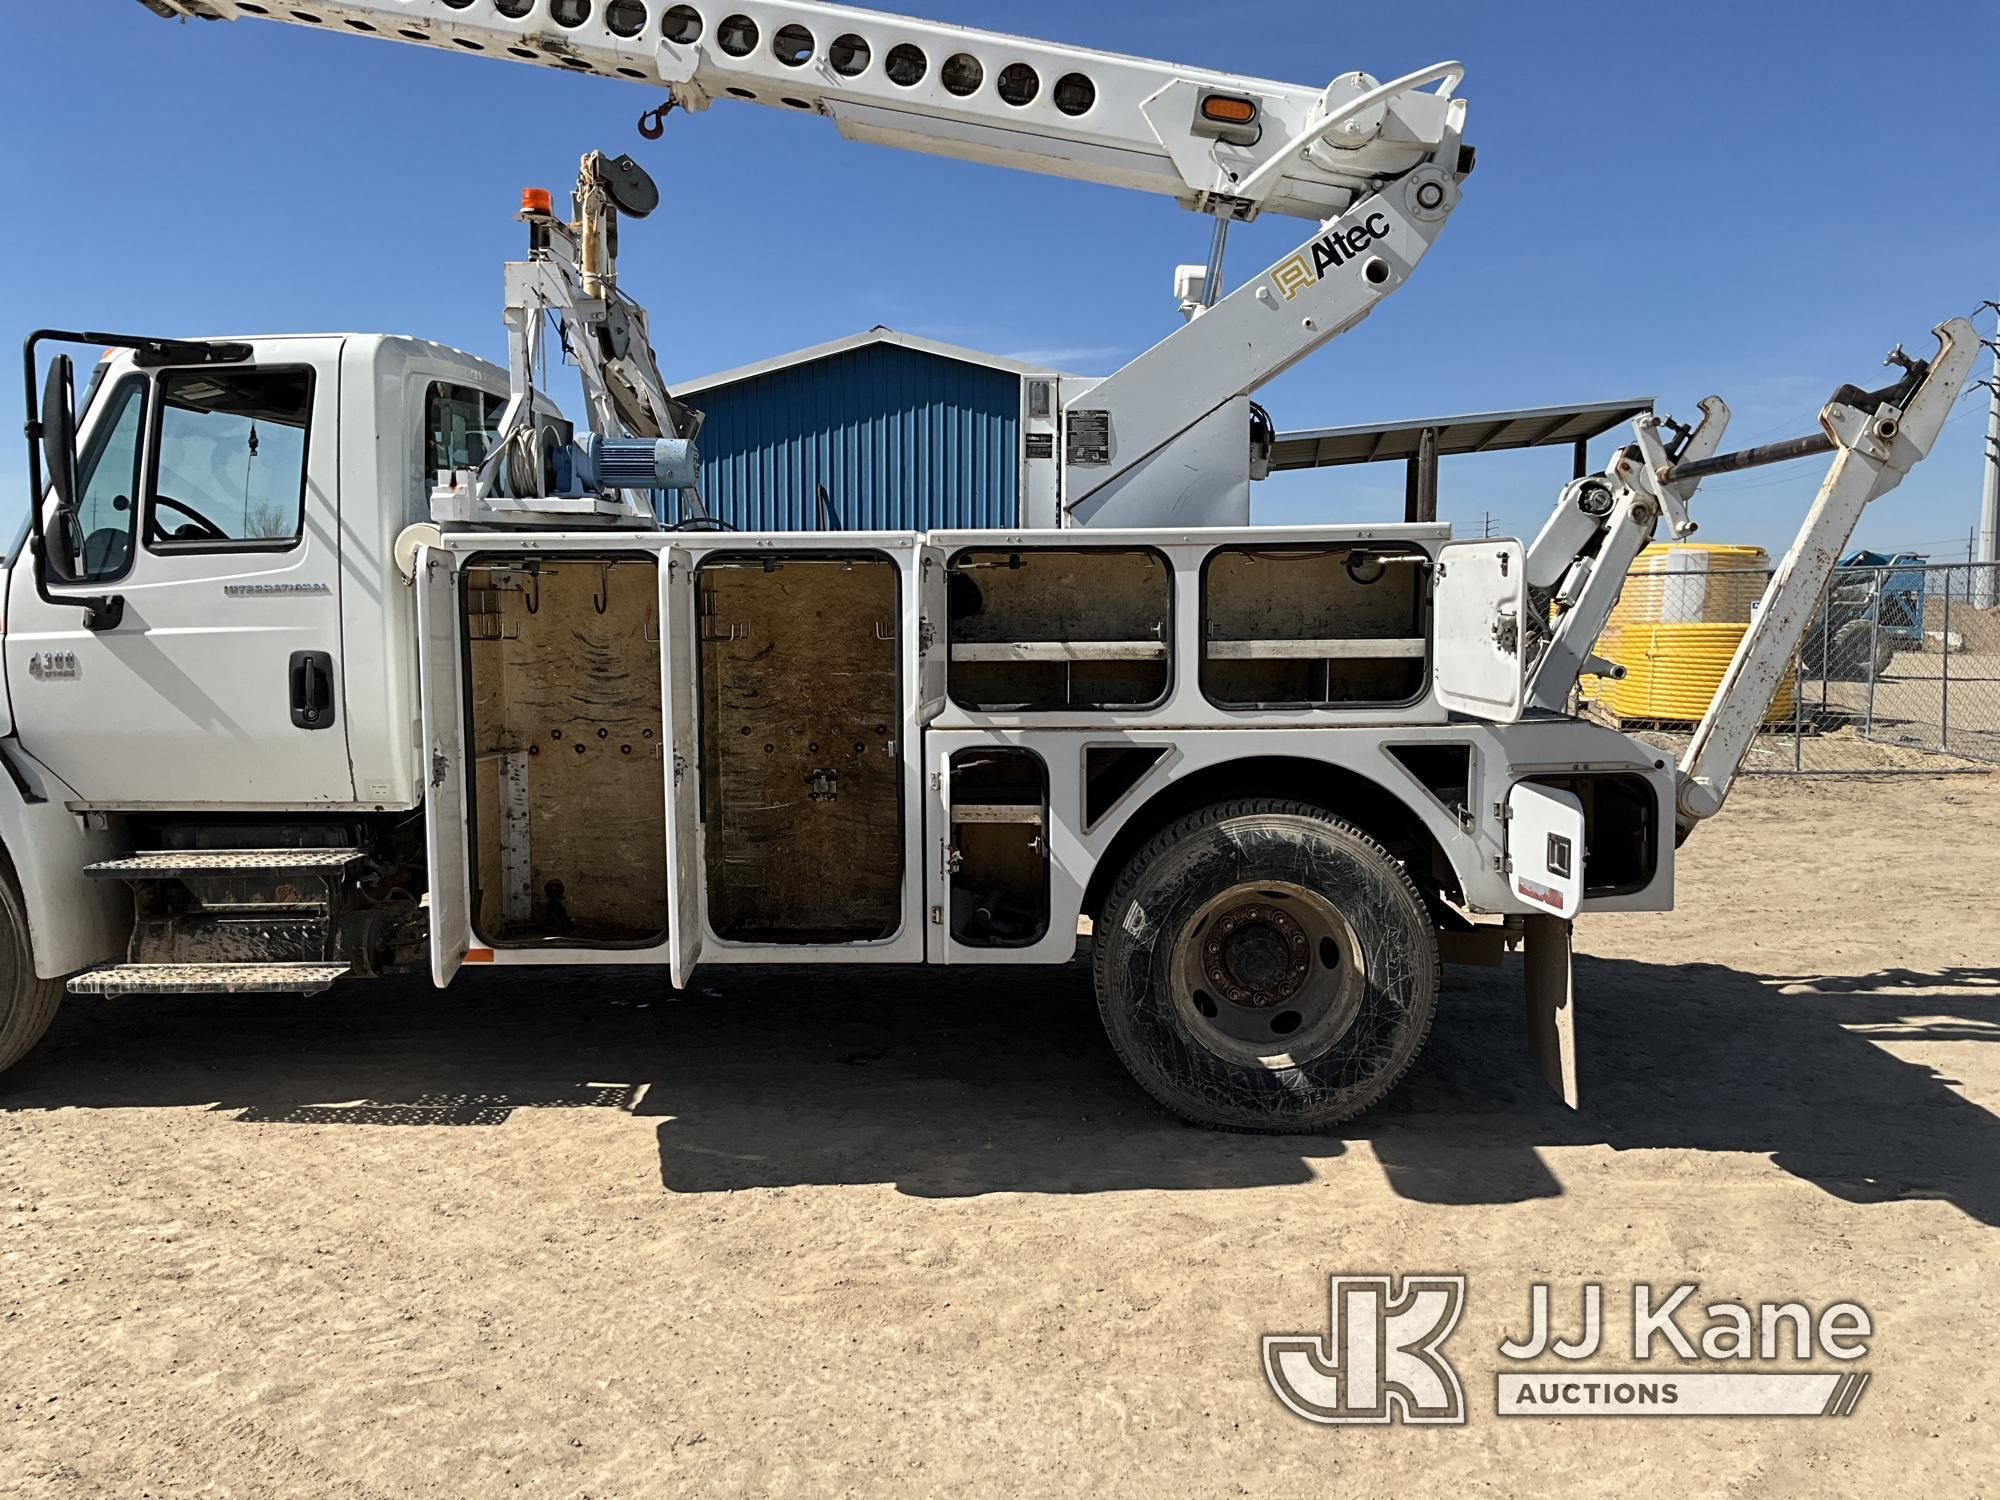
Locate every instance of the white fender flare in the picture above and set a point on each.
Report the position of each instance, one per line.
(74, 921)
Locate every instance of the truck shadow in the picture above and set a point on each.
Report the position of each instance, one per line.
(1699, 1057)
(984, 1081)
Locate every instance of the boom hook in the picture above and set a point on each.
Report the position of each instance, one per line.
(653, 123)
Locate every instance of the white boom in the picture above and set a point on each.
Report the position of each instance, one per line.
(1165, 441)
(983, 96)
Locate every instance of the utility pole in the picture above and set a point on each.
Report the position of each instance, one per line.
(1986, 580)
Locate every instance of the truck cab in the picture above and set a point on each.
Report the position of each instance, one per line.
(246, 516)
(248, 669)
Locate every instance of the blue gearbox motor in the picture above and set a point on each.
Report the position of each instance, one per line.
(602, 464)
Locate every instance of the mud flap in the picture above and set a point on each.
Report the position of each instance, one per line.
(1551, 1003)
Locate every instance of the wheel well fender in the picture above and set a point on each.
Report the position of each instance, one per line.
(1384, 814)
(73, 920)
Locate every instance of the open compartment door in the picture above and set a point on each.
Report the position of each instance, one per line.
(1479, 599)
(930, 629)
(680, 627)
(1545, 848)
(447, 818)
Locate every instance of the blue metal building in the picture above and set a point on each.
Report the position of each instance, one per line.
(906, 434)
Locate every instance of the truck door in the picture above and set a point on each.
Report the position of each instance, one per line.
(210, 502)
(447, 816)
(679, 630)
(1479, 598)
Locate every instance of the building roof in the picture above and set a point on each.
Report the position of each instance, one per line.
(874, 336)
(1476, 432)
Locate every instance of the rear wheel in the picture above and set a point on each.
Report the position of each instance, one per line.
(27, 1004)
(1260, 965)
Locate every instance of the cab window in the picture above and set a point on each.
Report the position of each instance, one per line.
(107, 478)
(231, 467)
(459, 424)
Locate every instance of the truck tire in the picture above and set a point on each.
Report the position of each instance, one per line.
(27, 1004)
(1262, 966)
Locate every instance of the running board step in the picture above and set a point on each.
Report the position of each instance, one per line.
(172, 864)
(207, 979)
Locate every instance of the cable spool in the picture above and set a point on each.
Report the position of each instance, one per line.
(530, 462)
(1676, 627)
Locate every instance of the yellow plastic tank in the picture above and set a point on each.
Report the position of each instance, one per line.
(1676, 627)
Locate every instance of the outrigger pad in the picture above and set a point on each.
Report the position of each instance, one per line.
(1551, 991)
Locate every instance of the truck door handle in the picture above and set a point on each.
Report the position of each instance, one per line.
(312, 689)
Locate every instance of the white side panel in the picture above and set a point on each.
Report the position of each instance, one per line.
(1545, 848)
(447, 817)
(384, 449)
(1477, 606)
(679, 622)
(1198, 478)
(1041, 450)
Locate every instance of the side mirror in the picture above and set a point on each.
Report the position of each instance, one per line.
(59, 430)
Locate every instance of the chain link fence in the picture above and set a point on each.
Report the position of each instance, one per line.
(1899, 672)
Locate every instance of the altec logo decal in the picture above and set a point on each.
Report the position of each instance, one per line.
(1336, 247)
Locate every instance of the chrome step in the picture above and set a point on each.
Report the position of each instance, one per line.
(172, 864)
(207, 979)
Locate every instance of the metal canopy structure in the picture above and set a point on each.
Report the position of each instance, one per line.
(1421, 442)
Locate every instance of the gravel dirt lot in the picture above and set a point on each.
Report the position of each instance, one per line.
(831, 1233)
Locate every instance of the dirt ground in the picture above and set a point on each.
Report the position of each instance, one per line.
(824, 1233)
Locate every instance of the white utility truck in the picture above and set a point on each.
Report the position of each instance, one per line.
(335, 657)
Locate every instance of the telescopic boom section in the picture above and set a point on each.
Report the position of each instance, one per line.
(1219, 143)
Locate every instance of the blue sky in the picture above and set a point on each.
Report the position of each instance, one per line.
(1753, 198)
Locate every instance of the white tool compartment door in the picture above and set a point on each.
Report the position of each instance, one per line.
(1545, 848)
(446, 816)
(929, 630)
(1477, 605)
(679, 635)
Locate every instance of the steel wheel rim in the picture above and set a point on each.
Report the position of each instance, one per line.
(1268, 975)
